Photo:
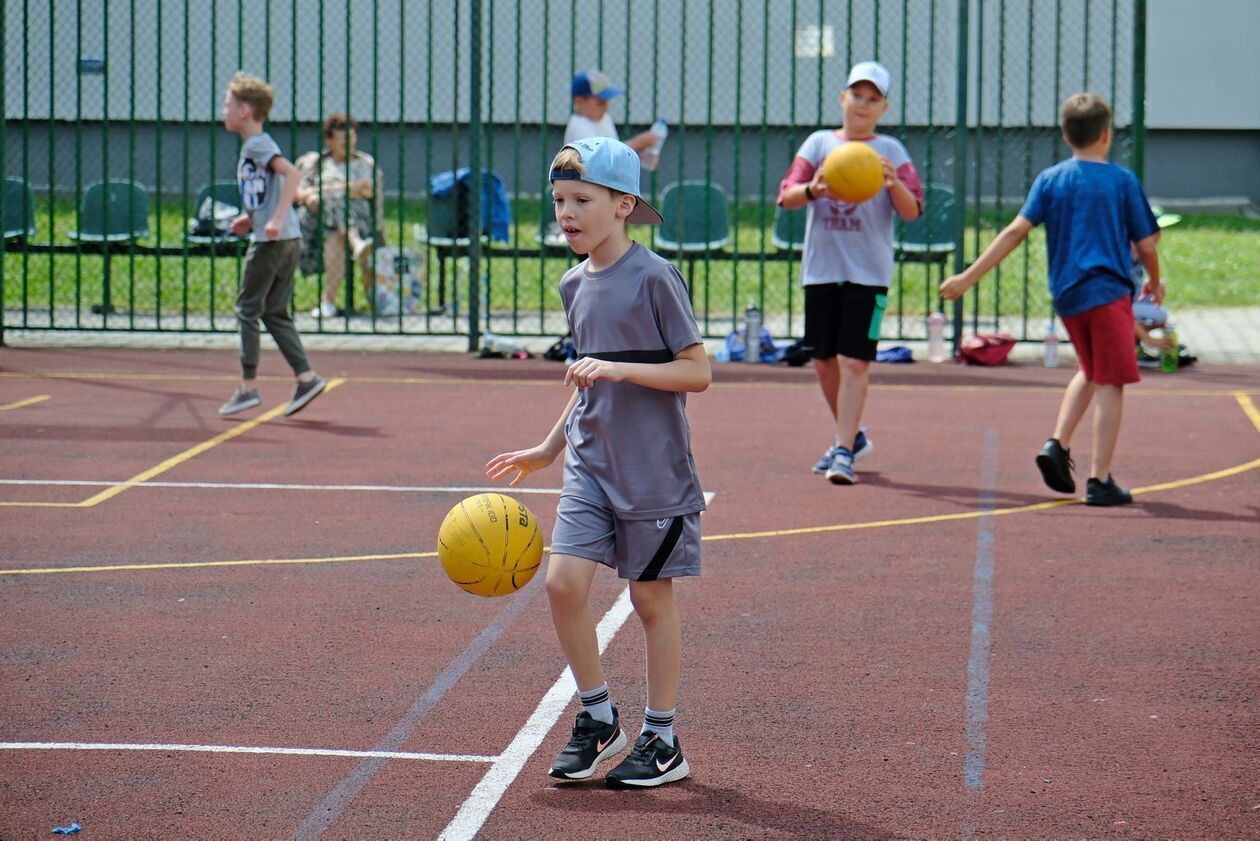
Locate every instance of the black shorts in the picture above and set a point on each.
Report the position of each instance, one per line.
(843, 319)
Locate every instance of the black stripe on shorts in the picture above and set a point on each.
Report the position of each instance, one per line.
(663, 552)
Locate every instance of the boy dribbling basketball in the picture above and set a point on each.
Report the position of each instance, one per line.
(631, 497)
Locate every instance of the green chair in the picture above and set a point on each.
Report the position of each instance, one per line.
(930, 238)
(216, 206)
(19, 209)
(695, 222)
(113, 211)
(789, 229)
(695, 217)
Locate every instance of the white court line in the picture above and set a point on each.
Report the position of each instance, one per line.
(358, 754)
(474, 811)
(272, 486)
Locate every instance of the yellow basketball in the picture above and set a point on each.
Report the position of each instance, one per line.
(853, 172)
(490, 545)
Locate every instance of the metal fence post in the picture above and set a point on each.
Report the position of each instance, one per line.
(960, 160)
(474, 165)
(1139, 89)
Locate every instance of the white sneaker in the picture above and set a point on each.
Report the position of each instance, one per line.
(324, 310)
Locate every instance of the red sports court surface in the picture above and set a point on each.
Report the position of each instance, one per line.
(238, 629)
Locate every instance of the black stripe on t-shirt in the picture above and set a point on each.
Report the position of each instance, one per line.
(663, 552)
(651, 357)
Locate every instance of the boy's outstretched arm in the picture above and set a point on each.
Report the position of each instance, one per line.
(1004, 243)
(525, 462)
(1146, 252)
(689, 371)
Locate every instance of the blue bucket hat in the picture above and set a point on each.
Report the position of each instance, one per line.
(612, 164)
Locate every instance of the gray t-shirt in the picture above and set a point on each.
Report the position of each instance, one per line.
(260, 187)
(628, 443)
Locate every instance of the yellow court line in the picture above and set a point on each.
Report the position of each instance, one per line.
(174, 461)
(102, 375)
(1244, 401)
(1248, 407)
(39, 398)
(907, 521)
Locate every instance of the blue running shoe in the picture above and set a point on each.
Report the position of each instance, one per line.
(840, 471)
(862, 447)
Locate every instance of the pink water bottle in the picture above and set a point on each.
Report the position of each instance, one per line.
(936, 337)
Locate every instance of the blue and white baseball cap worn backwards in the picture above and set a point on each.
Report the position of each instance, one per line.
(873, 72)
(612, 164)
(594, 83)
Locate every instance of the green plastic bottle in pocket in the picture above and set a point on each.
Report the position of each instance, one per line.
(877, 317)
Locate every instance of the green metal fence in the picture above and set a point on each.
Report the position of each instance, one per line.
(129, 92)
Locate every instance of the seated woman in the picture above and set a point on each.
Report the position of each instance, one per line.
(330, 223)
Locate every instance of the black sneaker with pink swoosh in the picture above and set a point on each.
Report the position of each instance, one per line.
(592, 742)
(651, 763)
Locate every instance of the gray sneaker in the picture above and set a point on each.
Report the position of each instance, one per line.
(303, 394)
(240, 400)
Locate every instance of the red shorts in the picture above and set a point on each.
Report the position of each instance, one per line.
(1103, 338)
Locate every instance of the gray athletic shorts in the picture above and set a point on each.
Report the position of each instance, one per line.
(640, 550)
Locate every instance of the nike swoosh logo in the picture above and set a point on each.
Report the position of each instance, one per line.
(665, 767)
(599, 746)
(660, 524)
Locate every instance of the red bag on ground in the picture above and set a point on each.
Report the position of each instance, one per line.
(986, 349)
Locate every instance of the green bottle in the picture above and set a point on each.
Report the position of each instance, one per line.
(1168, 358)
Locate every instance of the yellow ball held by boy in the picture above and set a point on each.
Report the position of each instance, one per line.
(490, 544)
(853, 172)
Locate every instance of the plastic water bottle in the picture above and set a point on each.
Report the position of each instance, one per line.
(652, 154)
(936, 337)
(1169, 357)
(752, 334)
(1051, 346)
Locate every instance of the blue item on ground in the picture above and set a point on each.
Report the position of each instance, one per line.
(896, 353)
(66, 830)
(769, 351)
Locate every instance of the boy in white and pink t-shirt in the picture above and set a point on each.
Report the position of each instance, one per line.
(847, 264)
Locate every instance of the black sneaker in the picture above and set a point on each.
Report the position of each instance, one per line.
(241, 399)
(591, 743)
(1056, 467)
(1098, 492)
(651, 763)
(304, 393)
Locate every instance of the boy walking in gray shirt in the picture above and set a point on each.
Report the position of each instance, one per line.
(268, 184)
(631, 497)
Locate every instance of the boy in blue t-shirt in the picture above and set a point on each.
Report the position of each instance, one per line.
(631, 499)
(1095, 212)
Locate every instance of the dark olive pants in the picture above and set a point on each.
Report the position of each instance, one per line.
(266, 288)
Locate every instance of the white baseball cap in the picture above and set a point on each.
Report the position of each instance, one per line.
(873, 72)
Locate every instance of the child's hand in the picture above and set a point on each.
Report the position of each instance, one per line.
(272, 229)
(1153, 292)
(890, 173)
(818, 187)
(587, 371)
(524, 462)
(240, 225)
(955, 287)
